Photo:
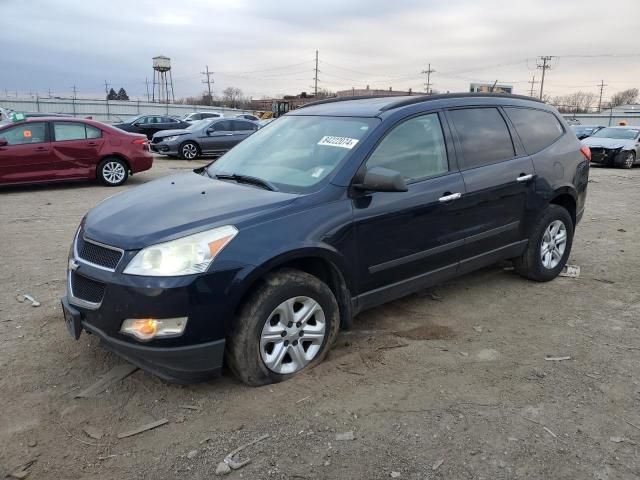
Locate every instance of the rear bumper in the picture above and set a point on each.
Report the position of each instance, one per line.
(141, 162)
(178, 364)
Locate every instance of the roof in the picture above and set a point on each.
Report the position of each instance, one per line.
(374, 106)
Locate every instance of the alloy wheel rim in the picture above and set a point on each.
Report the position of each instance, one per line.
(629, 159)
(293, 335)
(113, 172)
(554, 243)
(189, 151)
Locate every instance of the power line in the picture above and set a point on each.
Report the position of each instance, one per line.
(208, 81)
(427, 84)
(544, 67)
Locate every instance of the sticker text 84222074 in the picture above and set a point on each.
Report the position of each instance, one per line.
(342, 142)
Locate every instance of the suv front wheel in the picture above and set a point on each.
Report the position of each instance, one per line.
(549, 245)
(287, 325)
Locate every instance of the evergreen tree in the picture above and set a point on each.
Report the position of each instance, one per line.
(112, 95)
(122, 94)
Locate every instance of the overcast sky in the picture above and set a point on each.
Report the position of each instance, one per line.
(267, 47)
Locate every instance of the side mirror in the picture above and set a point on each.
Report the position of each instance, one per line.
(3, 142)
(379, 179)
(137, 124)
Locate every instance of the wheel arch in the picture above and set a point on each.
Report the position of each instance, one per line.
(566, 198)
(322, 263)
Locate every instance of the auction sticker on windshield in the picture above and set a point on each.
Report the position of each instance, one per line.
(342, 142)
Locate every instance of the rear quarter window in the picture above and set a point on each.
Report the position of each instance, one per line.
(536, 128)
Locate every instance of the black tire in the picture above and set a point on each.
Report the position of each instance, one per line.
(626, 159)
(243, 351)
(530, 265)
(189, 150)
(112, 171)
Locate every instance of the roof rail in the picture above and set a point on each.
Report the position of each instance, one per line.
(426, 98)
(343, 99)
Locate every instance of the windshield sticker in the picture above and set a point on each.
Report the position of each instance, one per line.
(342, 142)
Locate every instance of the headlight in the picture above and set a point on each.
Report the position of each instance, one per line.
(184, 256)
(170, 139)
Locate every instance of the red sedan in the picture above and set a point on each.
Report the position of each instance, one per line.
(56, 149)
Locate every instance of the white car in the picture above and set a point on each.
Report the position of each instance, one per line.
(195, 116)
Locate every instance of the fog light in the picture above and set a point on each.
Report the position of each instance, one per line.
(148, 328)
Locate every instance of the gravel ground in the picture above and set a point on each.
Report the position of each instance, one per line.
(448, 383)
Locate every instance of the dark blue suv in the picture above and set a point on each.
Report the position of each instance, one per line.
(257, 260)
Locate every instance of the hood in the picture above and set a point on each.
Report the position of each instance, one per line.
(175, 206)
(169, 133)
(613, 143)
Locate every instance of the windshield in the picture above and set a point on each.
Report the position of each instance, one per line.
(132, 119)
(296, 152)
(617, 133)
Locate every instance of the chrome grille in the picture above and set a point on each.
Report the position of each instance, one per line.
(97, 254)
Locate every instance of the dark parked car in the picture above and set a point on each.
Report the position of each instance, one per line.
(52, 149)
(150, 124)
(204, 137)
(619, 146)
(584, 131)
(258, 259)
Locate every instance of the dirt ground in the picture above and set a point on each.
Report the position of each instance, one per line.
(449, 383)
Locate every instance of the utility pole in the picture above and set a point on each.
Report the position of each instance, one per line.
(602, 85)
(532, 82)
(49, 93)
(106, 98)
(146, 82)
(544, 67)
(208, 81)
(106, 89)
(427, 84)
(315, 78)
(75, 92)
(73, 101)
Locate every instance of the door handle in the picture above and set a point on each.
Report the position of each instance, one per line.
(40, 149)
(524, 178)
(228, 134)
(450, 197)
(93, 144)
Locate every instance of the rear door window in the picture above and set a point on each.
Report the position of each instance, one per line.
(242, 126)
(25, 134)
(63, 131)
(537, 129)
(483, 136)
(415, 149)
(223, 126)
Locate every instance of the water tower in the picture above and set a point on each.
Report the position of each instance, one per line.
(162, 80)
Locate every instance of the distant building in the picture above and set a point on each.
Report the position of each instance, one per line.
(362, 92)
(490, 88)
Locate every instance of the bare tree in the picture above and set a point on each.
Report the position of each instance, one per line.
(231, 96)
(625, 97)
(577, 102)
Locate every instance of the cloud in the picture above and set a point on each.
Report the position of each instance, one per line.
(267, 47)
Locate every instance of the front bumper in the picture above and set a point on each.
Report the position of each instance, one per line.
(164, 148)
(186, 364)
(103, 298)
(604, 156)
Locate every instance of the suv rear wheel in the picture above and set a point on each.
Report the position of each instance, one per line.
(549, 245)
(287, 325)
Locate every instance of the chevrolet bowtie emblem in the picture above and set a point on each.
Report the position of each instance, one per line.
(73, 265)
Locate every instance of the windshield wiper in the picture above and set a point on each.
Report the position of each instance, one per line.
(259, 182)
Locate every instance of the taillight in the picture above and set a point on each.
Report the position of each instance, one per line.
(586, 151)
(140, 141)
